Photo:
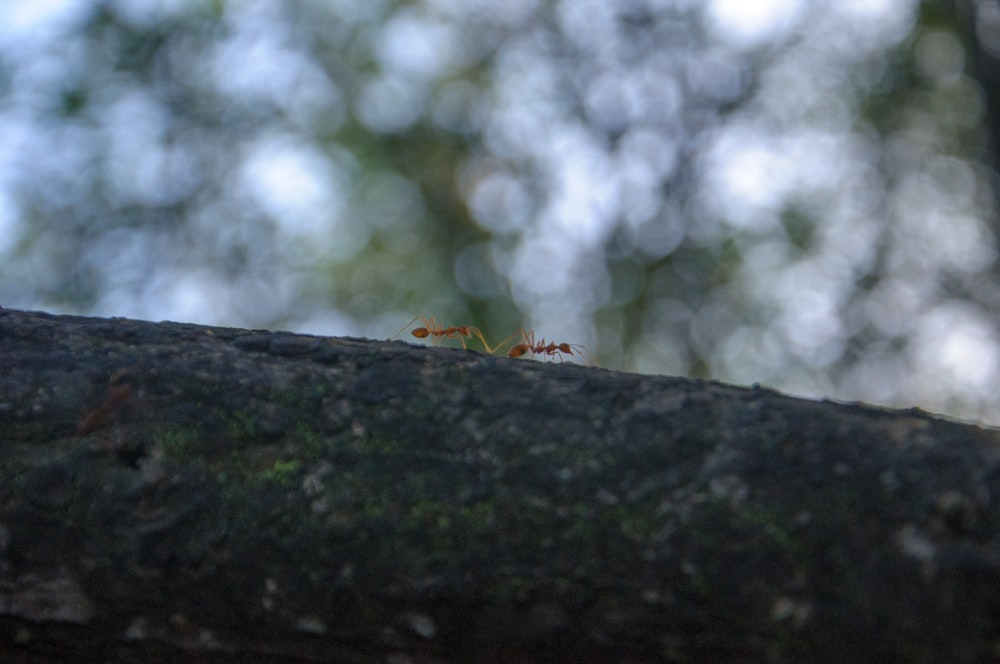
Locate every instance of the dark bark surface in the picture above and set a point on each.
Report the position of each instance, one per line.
(172, 492)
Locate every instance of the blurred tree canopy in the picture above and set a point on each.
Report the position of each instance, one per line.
(796, 193)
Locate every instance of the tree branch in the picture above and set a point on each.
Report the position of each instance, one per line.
(172, 492)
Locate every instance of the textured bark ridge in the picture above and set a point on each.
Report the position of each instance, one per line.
(173, 492)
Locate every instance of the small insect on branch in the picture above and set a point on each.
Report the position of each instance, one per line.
(546, 349)
(433, 328)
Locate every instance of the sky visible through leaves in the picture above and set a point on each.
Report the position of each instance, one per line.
(784, 192)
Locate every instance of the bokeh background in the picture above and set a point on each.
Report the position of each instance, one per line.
(797, 193)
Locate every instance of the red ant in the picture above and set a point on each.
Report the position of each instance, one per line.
(550, 349)
(434, 328)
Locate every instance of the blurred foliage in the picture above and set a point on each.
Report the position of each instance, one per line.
(799, 195)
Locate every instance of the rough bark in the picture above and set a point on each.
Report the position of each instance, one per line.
(172, 492)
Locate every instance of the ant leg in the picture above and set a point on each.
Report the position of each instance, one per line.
(482, 340)
(412, 320)
(501, 344)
